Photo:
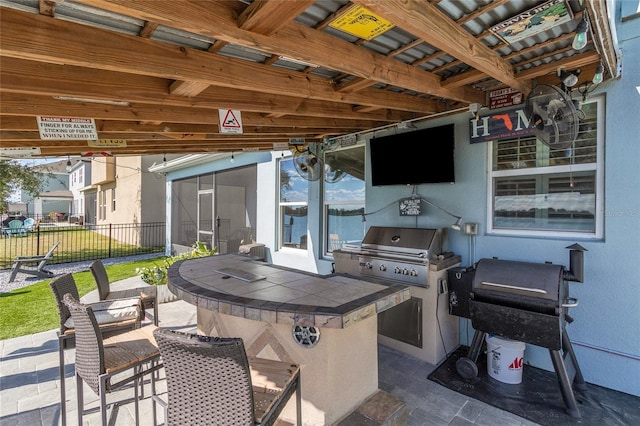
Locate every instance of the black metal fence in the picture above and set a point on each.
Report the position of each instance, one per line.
(83, 242)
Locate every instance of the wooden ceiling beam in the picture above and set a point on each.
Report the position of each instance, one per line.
(575, 61)
(34, 105)
(146, 150)
(429, 23)
(22, 76)
(268, 16)
(260, 124)
(64, 42)
(261, 16)
(22, 136)
(216, 20)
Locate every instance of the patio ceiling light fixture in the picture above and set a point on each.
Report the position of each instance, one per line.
(588, 86)
(580, 39)
(599, 75)
(568, 78)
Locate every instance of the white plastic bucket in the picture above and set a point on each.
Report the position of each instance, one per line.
(504, 359)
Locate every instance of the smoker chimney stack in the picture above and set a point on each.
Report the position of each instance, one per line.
(576, 263)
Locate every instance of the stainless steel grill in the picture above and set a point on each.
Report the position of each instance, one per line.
(421, 327)
(399, 254)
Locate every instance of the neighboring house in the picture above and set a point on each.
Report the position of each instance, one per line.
(55, 197)
(528, 207)
(80, 184)
(120, 190)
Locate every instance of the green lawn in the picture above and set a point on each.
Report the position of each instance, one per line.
(32, 309)
(76, 244)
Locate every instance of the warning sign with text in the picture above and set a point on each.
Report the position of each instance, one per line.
(102, 143)
(67, 128)
(361, 23)
(230, 121)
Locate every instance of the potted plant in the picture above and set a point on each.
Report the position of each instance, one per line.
(156, 275)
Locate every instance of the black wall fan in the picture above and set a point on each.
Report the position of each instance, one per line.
(553, 116)
(308, 165)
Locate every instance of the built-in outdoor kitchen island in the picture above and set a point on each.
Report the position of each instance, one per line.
(326, 324)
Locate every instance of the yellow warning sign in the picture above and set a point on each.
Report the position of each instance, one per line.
(102, 143)
(361, 23)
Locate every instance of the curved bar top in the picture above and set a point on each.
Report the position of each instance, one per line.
(240, 286)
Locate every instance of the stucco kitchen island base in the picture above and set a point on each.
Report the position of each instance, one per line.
(267, 306)
(336, 375)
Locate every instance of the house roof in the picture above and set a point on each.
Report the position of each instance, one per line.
(59, 166)
(59, 195)
(158, 76)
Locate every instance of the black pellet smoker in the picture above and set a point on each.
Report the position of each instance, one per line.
(522, 301)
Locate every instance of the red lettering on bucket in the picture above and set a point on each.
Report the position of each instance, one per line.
(516, 364)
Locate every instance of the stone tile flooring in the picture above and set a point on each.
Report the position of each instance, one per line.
(29, 385)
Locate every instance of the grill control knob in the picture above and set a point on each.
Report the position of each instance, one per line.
(405, 271)
(413, 273)
(383, 268)
(397, 270)
(368, 265)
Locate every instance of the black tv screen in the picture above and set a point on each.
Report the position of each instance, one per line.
(412, 158)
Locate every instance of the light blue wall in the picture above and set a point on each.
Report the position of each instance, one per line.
(606, 331)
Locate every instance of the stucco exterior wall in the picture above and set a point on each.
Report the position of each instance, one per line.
(605, 333)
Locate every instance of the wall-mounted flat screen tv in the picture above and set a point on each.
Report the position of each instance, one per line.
(412, 158)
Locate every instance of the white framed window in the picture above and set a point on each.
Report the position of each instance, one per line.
(344, 197)
(534, 190)
(102, 207)
(293, 206)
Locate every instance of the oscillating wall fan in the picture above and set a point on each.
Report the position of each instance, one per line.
(308, 165)
(553, 116)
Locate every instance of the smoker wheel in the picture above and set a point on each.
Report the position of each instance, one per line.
(466, 368)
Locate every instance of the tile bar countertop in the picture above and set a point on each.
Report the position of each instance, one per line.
(240, 286)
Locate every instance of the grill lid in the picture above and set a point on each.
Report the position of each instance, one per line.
(422, 243)
(541, 281)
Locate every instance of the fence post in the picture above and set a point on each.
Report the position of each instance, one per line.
(110, 229)
(38, 239)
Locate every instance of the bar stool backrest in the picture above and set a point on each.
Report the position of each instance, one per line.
(89, 347)
(101, 277)
(61, 286)
(208, 379)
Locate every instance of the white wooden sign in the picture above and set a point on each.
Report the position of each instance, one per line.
(19, 152)
(67, 128)
(230, 121)
(280, 146)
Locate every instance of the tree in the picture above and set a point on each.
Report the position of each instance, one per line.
(15, 176)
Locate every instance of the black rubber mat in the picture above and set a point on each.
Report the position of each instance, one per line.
(538, 397)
